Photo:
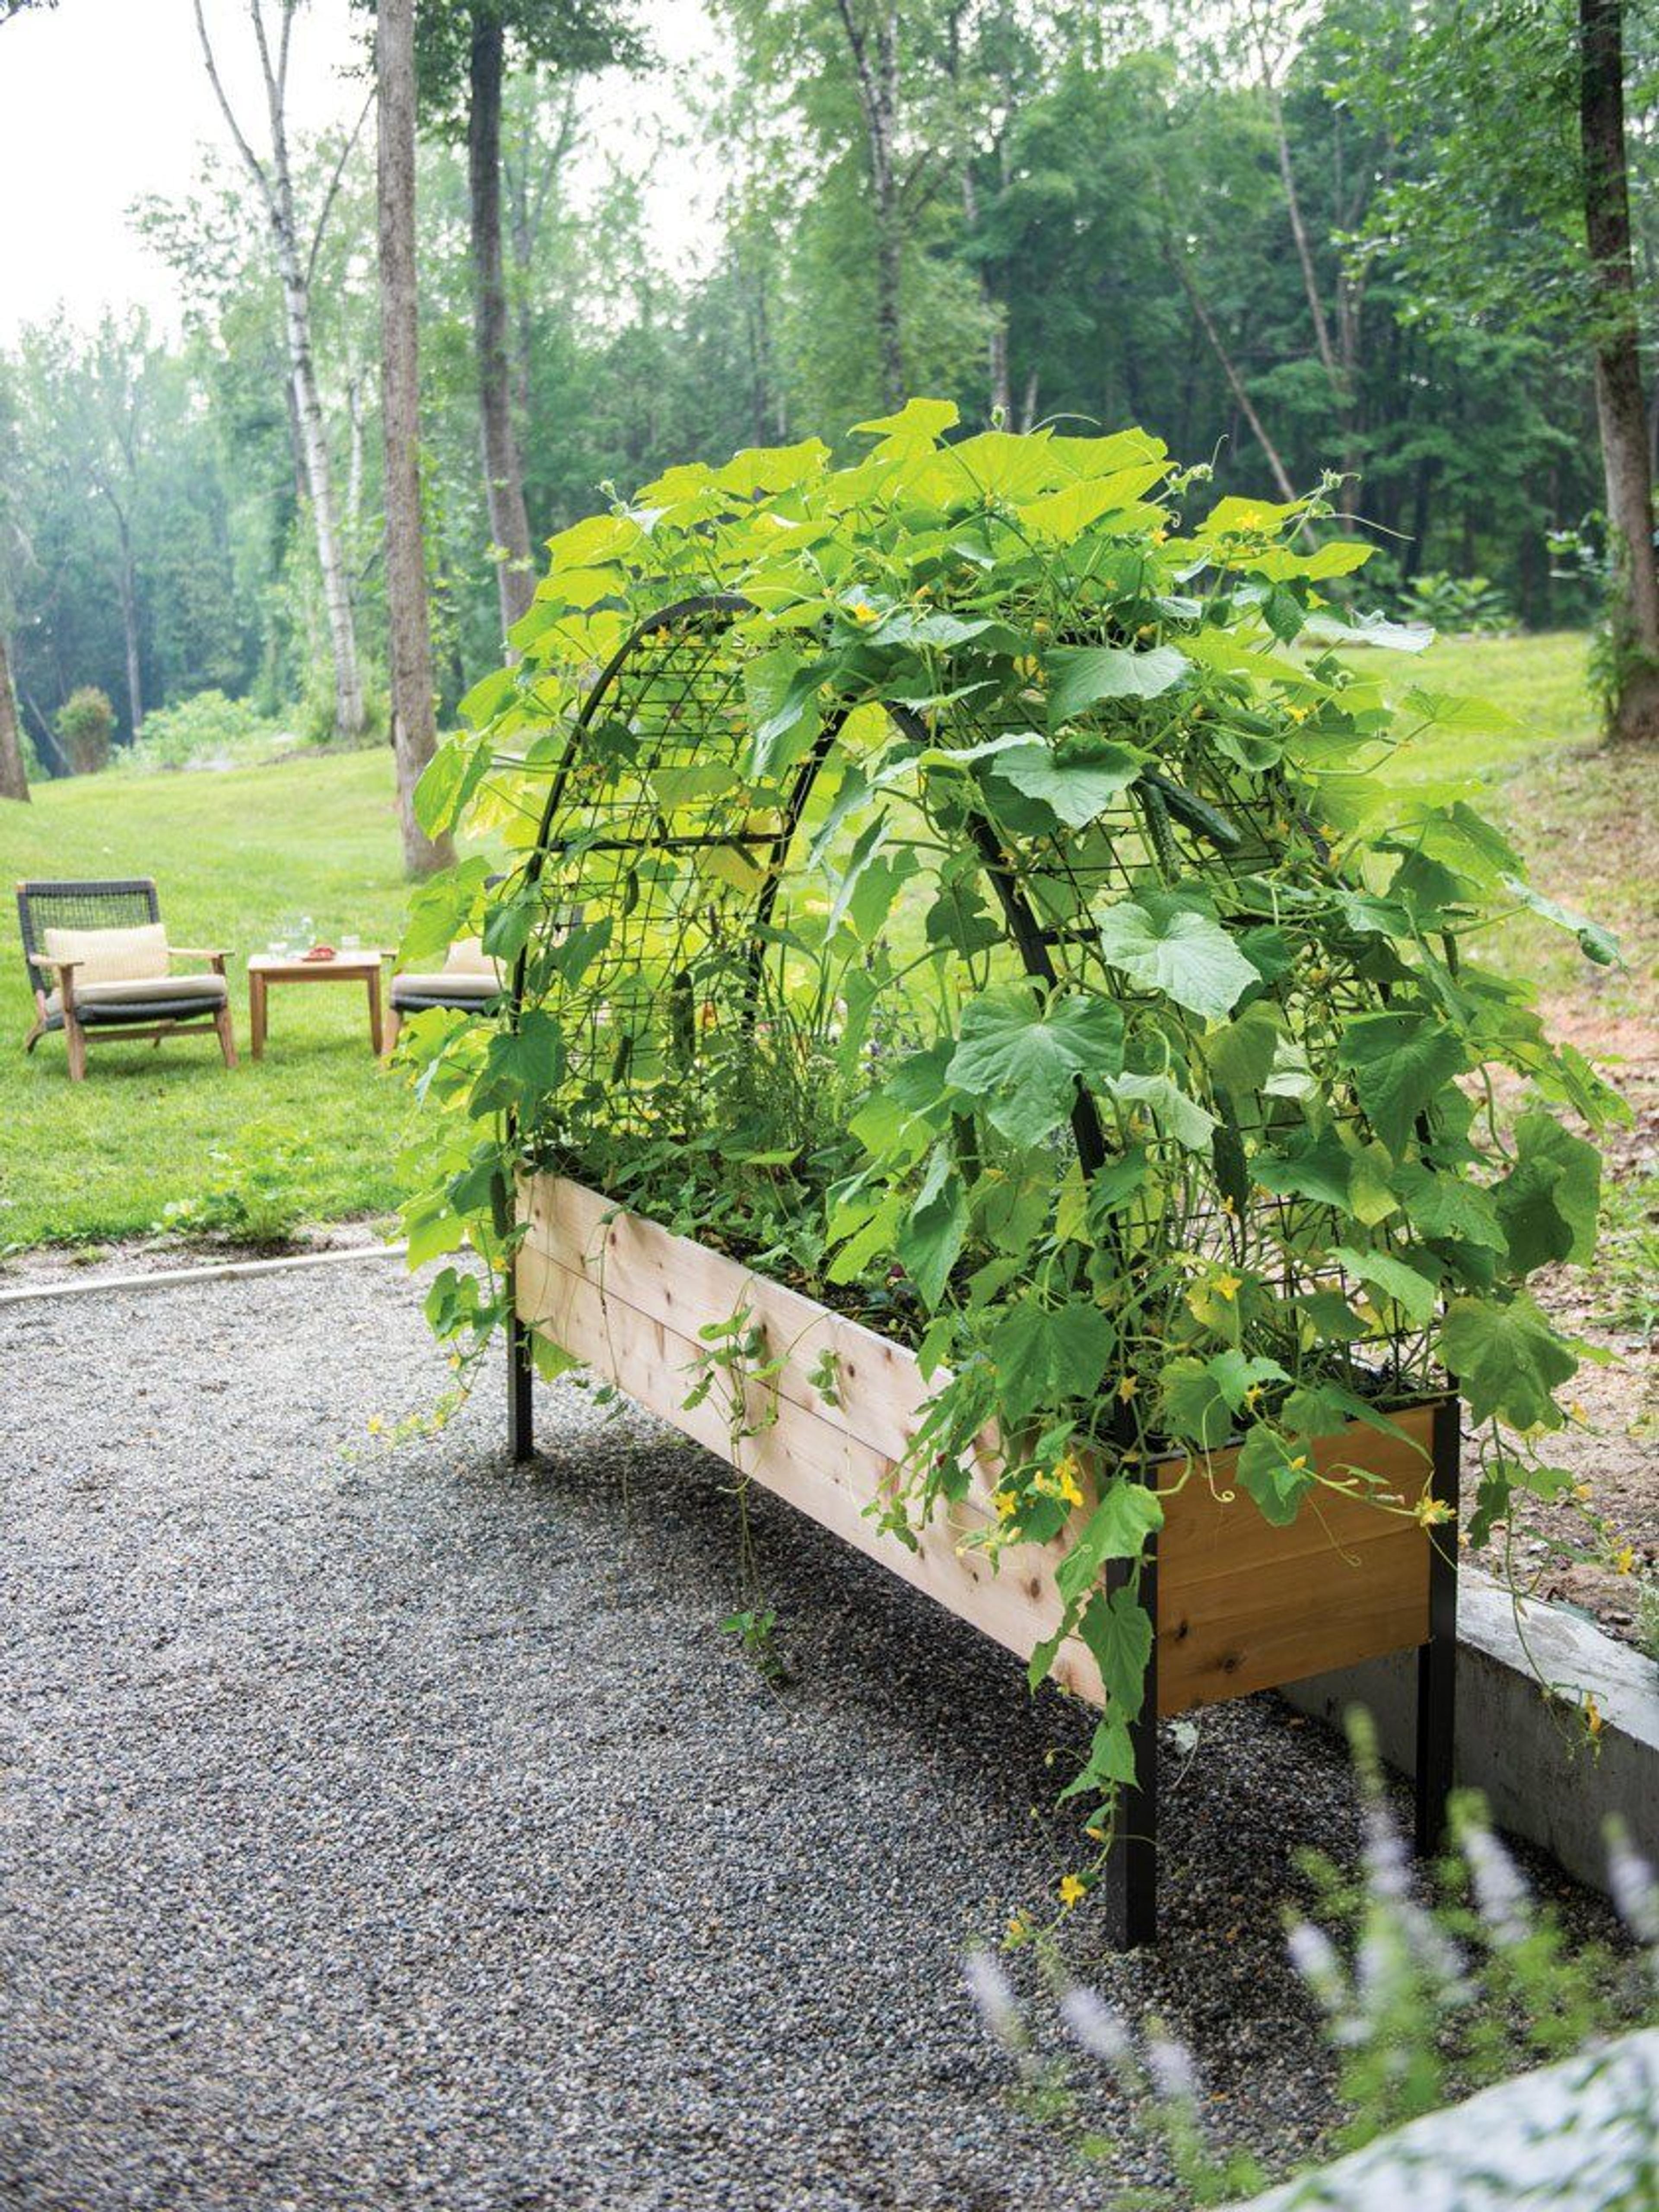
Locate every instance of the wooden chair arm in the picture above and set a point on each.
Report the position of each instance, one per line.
(65, 972)
(214, 958)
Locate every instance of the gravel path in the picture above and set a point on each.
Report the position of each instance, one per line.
(391, 1827)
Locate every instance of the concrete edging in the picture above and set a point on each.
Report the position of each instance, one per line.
(167, 1279)
(1525, 1751)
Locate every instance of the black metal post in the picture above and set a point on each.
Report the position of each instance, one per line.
(1132, 1867)
(1437, 1659)
(520, 1377)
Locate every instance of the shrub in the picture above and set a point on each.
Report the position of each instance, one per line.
(1457, 604)
(85, 725)
(199, 729)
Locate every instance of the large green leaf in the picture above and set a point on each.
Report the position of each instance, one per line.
(1595, 943)
(1400, 1063)
(1044, 1355)
(1413, 1293)
(1202, 1398)
(1176, 1113)
(931, 1235)
(1067, 512)
(782, 695)
(1170, 942)
(1117, 1529)
(1318, 1168)
(1269, 1471)
(1078, 781)
(1022, 1060)
(1549, 1204)
(1242, 1054)
(1079, 677)
(1449, 1205)
(1117, 1630)
(1508, 1360)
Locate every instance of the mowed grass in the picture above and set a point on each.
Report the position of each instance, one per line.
(1540, 682)
(235, 855)
(239, 852)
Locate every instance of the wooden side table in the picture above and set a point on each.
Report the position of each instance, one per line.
(264, 968)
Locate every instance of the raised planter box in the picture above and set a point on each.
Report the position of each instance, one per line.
(1238, 1605)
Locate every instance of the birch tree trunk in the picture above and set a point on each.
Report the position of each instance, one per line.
(13, 777)
(408, 629)
(274, 182)
(509, 526)
(875, 58)
(1621, 410)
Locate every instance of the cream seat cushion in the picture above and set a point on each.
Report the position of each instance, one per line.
(142, 990)
(110, 955)
(445, 983)
(467, 972)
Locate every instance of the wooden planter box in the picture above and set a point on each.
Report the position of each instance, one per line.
(1238, 1605)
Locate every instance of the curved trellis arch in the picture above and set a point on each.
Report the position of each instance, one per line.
(714, 614)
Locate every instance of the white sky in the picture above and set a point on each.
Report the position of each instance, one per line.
(102, 101)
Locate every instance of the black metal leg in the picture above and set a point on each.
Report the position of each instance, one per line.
(1437, 1659)
(1132, 1868)
(521, 1378)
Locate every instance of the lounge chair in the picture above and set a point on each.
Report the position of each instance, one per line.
(99, 965)
(468, 979)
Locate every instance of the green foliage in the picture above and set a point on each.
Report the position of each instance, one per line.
(1100, 923)
(207, 727)
(1426, 1991)
(247, 1190)
(1471, 605)
(86, 724)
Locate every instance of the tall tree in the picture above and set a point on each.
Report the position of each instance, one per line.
(1620, 406)
(408, 629)
(295, 256)
(464, 50)
(14, 775)
(115, 393)
(1513, 208)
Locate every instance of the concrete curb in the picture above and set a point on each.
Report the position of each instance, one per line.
(167, 1279)
(1579, 2136)
(1525, 1751)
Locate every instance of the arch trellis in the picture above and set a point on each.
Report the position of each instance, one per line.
(982, 1052)
(703, 862)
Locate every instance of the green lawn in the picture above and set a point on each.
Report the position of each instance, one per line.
(238, 853)
(1539, 680)
(235, 854)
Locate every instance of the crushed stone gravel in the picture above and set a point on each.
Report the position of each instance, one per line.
(390, 1827)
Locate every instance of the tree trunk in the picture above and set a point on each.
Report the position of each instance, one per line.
(349, 718)
(409, 630)
(275, 185)
(13, 777)
(1234, 381)
(1620, 409)
(509, 526)
(126, 587)
(876, 73)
